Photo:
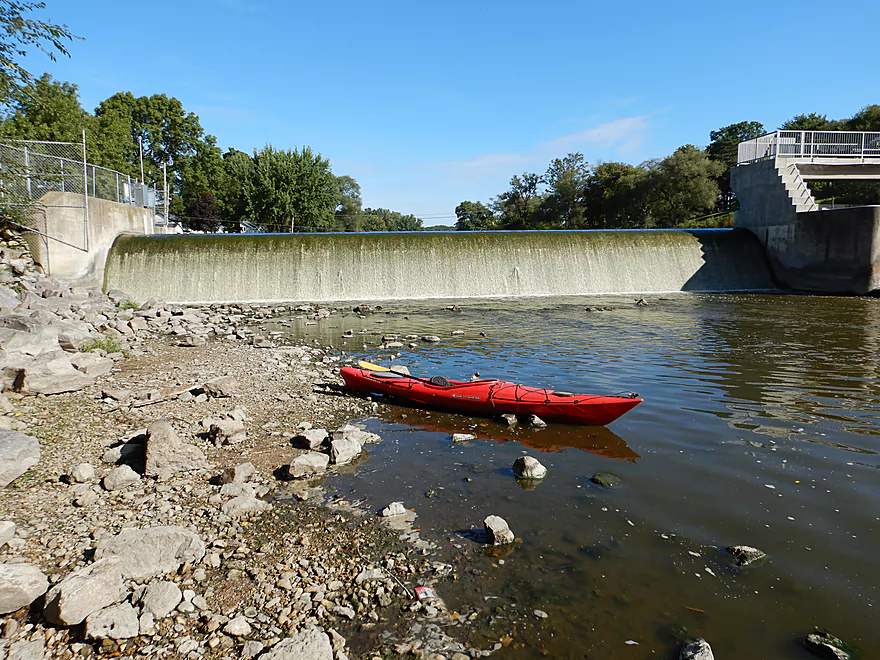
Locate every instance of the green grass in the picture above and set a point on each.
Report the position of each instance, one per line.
(130, 304)
(105, 344)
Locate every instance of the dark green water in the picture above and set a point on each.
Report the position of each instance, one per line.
(759, 427)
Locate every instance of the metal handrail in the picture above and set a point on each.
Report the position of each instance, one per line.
(811, 146)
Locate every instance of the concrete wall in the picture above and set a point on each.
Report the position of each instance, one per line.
(836, 251)
(65, 258)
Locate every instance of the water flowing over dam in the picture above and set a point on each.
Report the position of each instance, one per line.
(386, 266)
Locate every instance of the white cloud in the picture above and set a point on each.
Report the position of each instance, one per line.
(624, 135)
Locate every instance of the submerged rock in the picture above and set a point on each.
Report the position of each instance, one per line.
(606, 480)
(497, 531)
(536, 422)
(826, 645)
(696, 648)
(745, 554)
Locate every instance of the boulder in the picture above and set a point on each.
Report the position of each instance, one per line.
(310, 644)
(349, 432)
(87, 590)
(308, 464)
(7, 532)
(115, 622)
(344, 450)
(509, 419)
(238, 627)
(244, 505)
(745, 554)
(224, 386)
(25, 649)
(238, 474)
(536, 422)
(462, 437)
(227, 432)
(826, 645)
(120, 477)
(526, 467)
(167, 452)
(49, 375)
(18, 453)
(160, 599)
(145, 553)
(310, 439)
(696, 648)
(393, 509)
(20, 585)
(82, 473)
(497, 531)
(91, 364)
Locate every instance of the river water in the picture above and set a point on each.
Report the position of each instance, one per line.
(759, 427)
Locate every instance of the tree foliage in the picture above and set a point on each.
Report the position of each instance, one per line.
(474, 216)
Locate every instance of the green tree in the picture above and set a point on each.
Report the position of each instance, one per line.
(866, 119)
(810, 122)
(387, 220)
(47, 110)
(616, 196)
(517, 206)
(349, 213)
(292, 190)
(203, 213)
(238, 170)
(20, 33)
(474, 216)
(683, 185)
(723, 148)
(564, 205)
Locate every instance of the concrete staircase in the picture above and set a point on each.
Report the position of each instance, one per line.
(796, 187)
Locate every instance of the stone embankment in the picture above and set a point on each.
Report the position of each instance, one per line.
(161, 493)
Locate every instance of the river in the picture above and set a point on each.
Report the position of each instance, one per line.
(759, 427)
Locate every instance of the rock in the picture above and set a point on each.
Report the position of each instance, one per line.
(606, 480)
(18, 453)
(401, 369)
(82, 473)
(510, 419)
(25, 650)
(224, 386)
(116, 394)
(745, 554)
(431, 339)
(393, 509)
(238, 627)
(244, 505)
(120, 477)
(696, 648)
(345, 611)
(251, 649)
(349, 432)
(20, 585)
(165, 451)
(826, 645)
(310, 644)
(234, 490)
(87, 590)
(192, 340)
(115, 622)
(526, 467)
(362, 309)
(238, 474)
(463, 437)
(145, 553)
(537, 422)
(7, 532)
(310, 439)
(308, 464)
(497, 531)
(227, 432)
(49, 374)
(160, 599)
(91, 364)
(147, 624)
(344, 451)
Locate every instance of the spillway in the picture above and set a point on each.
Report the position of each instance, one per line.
(262, 268)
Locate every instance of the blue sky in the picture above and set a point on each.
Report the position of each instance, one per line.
(427, 104)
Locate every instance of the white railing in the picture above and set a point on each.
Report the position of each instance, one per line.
(812, 146)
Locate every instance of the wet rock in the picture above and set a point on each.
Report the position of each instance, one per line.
(349, 432)
(536, 422)
(509, 419)
(244, 505)
(310, 439)
(238, 627)
(431, 339)
(224, 386)
(120, 477)
(146, 553)
(114, 622)
(745, 554)
(393, 509)
(344, 451)
(462, 437)
(826, 645)
(87, 590)
(641, 302)
(82, 473)
(160, 599)
(497, 531)
(362, 309)
(227, 432)
(310, 644)
(696, 648)
(238, 474)
(18, 453)
(20, 585)
(308, 465)
(166, 452)
(526, 467)
(606, 480)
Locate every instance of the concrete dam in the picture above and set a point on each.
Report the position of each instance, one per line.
(266, 268)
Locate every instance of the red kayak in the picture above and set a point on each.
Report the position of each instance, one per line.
(492, 397)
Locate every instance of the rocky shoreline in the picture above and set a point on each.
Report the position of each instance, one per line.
(160, 518)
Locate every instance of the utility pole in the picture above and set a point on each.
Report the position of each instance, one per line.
(143, 187)
(165, 189)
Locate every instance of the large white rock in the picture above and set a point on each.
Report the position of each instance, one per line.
(223, 386)
(145, 553)
(227, 432)
(120, 477)
(115, 622)
(238, 474)
(238, 627)
(7, 532)
(167, 452)
(20, 585)
(49, 374)
(310, 439)
(344, 450)
(311, 644)
(497, 530)
(244, 505)
(25, 649)
(91, 364)
(160, 599)
(18, 453)
(350, 432)
(87, 590)
(306, 465)
(526, 467)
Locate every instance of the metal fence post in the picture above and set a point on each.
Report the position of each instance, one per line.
(27, 169)
(85, 192)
